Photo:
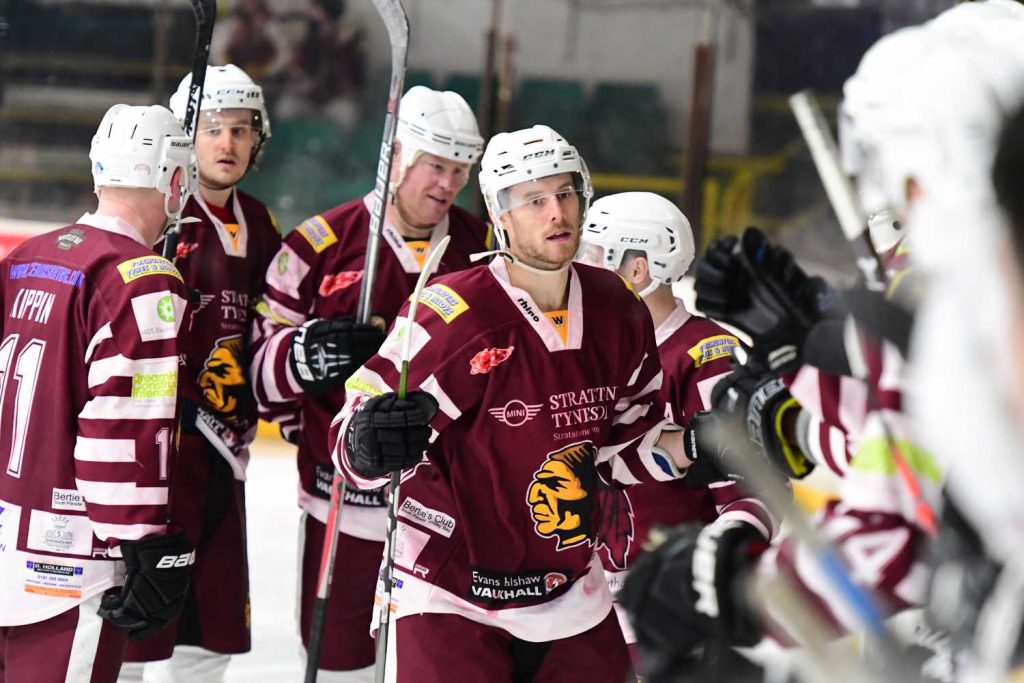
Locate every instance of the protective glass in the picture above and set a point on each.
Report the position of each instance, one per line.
(212, 123)
(533, 196)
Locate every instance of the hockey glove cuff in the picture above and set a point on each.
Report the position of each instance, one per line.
(325, 352)
(689, 588)
(155, 585)
(388, 434)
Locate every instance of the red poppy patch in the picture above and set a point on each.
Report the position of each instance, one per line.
(488, 359)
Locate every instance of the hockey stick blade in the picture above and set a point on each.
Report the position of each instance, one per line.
(837, 186)
(393, 14)
(206, 17)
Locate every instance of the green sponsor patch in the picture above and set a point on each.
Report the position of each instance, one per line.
(874, 457)
(161, 385)
(361, 385)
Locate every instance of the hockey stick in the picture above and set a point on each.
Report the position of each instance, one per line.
(855, 227)
(838, 186)
(393, 14)
(396, 477)
(206, 16)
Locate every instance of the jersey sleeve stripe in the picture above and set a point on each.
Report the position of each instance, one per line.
(128, 408)
(101, 335)
(104, 450)
(126, 532)
(121, 493)
(447, 405)
(100, 371)
(634, 413)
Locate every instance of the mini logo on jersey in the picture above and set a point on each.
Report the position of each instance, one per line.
(443, 301)
(165, 309)
(71, 238)
(515, 413)
(553, 580)
(184, 249)
(335, 283)
(204, 301)
(317, 232)
(222, 380)
(561, 495)
(488, 359)
(712, 348)
(282, 263)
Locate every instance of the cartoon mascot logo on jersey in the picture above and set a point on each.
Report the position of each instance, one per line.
(561, 495)
(222, 379)
(613, 519)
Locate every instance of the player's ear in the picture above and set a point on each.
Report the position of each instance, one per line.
(639, 270)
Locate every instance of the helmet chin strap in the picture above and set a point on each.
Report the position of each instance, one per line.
(649, 289)
(519, 262)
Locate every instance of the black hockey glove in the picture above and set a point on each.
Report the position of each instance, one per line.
(688, 589)
(155, 586)
(759, 403)
(758, 287)
(325, 352)
(388, 434)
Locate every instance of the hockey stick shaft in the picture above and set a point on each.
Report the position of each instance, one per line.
(838, 186)
(206, 16)
(383, 628)
(854, 224)
(397, 23)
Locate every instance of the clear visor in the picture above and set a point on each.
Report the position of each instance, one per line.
(241, 123)
(591, 255)
(541, 194)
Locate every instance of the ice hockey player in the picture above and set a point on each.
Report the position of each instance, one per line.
(223, 257)
(648, 241)
(931, 146)
(529, 378)
(91, 318)
(309, 343)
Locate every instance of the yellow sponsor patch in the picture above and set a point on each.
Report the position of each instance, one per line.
(354, 383)
(135, 268)
(443, 301)
(264, 310)
(317, 233)
(712, 348)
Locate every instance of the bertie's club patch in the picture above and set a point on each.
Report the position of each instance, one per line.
(132, 269)
(443, 301)
(317, 233)
(712, 348)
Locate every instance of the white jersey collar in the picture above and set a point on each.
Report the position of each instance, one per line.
(222, 232)
(113, 224)
(676, 319)
(529, 309)
(398, 244)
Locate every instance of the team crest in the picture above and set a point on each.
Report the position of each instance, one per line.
(614, 521)
(335, 283)
(488, 359)
(561, 496)
(222, 380)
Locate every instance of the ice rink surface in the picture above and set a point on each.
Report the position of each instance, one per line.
(273, 540)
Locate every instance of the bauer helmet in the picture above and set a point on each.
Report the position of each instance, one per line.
(439, 123)
(646, 222)
(226, 87)
(143, 147)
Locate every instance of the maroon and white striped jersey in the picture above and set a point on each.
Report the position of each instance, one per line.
(695, 355)
(497, 524)
(874, 523)
(317, 274)
(88, 400)
(225, 262)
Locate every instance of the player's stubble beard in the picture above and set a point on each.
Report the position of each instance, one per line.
(535, 257)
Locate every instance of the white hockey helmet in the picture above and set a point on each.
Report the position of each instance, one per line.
(226, 87)
(143, 147)
(439, 123)
(523, 156)
(646, 222)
